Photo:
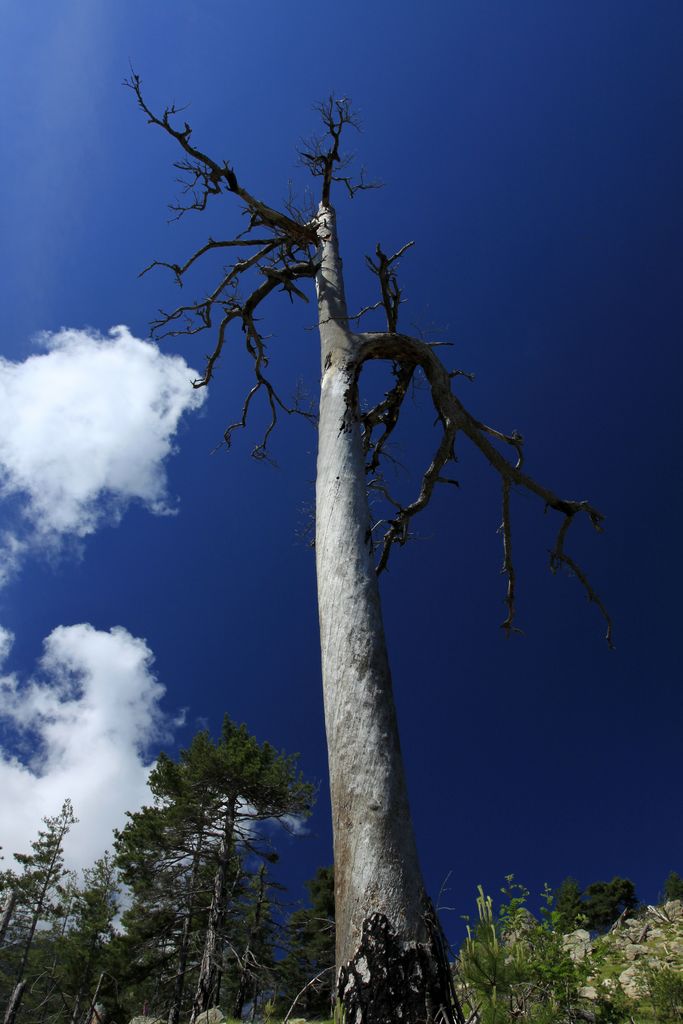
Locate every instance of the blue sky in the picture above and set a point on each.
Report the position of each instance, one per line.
(533, 152)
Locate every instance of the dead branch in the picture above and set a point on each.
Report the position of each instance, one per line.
(179, 269)
(385, 269)
(207, 177)
(385, 414)
(321, 155)
(452, 415)
(309, 984)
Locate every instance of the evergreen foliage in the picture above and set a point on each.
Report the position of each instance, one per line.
(183, 859)
(673, 887)
(194, 864)
(604, 901)
(568, 905)
(310, 941)
(38, 902)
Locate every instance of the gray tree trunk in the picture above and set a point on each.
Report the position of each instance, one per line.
(14, 1002)
(7, 912)
(208, 983)
(179, 984)
(384, 947)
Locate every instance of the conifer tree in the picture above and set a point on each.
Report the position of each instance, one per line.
(307, 969)
(604, 901)
(36, 887)
(251, 783)
(255, 958)
(673, 887)
(568, 905)
(81, 952)
(181, 858)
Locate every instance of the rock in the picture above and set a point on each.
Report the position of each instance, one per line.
(578, 944)
(146, 1020)
(674, 909)
(627, 980)
(588, 992)
(213, 1016)
(631, 951)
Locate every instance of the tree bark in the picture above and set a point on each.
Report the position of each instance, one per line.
(384, 948)
(179, 984)
(247, 980)
(7, 912)
(210, 972)
(14, 1003)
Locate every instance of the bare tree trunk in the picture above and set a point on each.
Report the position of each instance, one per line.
(208, 983)
(14, 1003)
(94, 1016)
(179, 984)
(247, 979)
(388, 963)
(7, 912)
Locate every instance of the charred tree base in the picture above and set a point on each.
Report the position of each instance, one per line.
(390, 981)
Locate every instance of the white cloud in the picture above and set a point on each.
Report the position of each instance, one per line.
(85, 428)
(87, 717)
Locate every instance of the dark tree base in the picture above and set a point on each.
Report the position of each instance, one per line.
(391, 982)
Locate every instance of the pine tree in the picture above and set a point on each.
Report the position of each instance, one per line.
(181, 858)
(83, 947)
(310, 939)
(251, 783)
(604, 901)
(568, 905)
(37, 888)
(673, 887)
(255, 950)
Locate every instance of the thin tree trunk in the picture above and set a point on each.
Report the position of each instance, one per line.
(209, 972)
(246, 979)
(94, 1016)
(14, 1003)
(387, 965)
(179, 984)
(7, 912)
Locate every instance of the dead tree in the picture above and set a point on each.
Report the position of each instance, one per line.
(391, 963)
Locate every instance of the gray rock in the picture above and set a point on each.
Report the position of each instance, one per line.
(588, 992)
(213, 1016)
(627, 980)
(578, 944)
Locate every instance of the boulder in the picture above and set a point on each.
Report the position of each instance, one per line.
(213, 1016)
(627, 980)
(578, 944)
(146, 1020)
(588, 992)
(674, 909)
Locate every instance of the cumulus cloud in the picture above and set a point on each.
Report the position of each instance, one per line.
(86, 719)
(85, 428)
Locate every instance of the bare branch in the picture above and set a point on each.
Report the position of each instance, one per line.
(559, 557)
(179, 269)
(321, 154)
(454, 417)
(385, 414)
(386, 272)
(508, 565)
(207, 177)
